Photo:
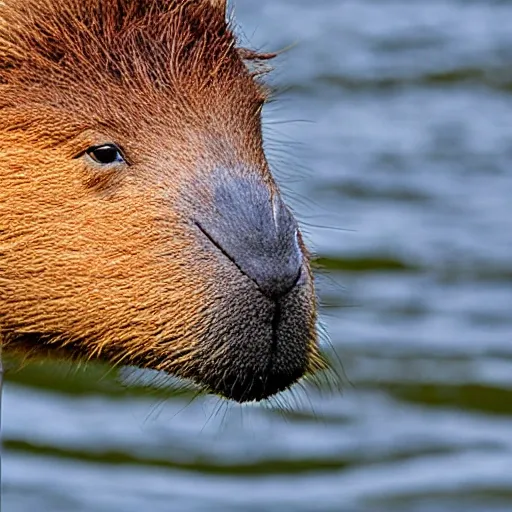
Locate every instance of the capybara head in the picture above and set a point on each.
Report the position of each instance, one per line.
(139, 220)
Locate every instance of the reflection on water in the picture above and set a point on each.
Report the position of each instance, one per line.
(402, 112)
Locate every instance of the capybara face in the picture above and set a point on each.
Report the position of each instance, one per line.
(139, 221)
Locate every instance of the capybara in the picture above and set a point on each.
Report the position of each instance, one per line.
(139, 221)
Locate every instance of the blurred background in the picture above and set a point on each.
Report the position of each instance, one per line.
(392, 138)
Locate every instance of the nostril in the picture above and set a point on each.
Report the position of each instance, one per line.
(279, 278)
(257, 233)
(219, 246)
(273, 278)
(276, 289)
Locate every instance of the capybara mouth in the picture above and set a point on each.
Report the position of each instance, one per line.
(261, 357)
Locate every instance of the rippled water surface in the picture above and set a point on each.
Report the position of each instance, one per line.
(393, 141)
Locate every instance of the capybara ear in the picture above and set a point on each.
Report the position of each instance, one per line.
(220, 4)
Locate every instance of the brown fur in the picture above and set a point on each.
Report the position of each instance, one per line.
(106, 263)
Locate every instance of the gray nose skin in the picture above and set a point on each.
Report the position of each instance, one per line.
(256, 232)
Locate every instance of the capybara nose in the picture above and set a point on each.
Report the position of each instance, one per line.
(253, 228)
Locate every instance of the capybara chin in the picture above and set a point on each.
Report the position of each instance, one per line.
(139, 220)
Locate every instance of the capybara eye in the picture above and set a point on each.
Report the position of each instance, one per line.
(106, 155)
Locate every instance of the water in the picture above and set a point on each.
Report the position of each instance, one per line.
(398, 158)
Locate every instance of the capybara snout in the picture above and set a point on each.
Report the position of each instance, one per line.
(249, 223)
(139, 220)
(265, 294)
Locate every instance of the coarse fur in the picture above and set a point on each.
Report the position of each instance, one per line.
(107, 263)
